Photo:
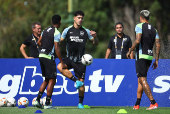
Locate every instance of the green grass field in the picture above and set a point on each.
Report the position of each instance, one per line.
(92, 110)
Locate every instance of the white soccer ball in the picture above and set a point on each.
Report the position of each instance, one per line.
(44, 100)
(23, 101)
(86, 59)
(11, 102)
(3, 102)
(33, 101)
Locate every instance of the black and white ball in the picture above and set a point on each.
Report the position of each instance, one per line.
(87, 59)
(11, 102)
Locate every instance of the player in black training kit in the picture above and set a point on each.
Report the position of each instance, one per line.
(76, 37)
(146, 36)
(50, 39)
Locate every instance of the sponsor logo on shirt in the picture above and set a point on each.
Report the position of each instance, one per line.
(75, 39)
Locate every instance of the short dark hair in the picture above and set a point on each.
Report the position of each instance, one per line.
(147, 18)
(56, 19)
(79, 12)
(118, 24)
(35, 23)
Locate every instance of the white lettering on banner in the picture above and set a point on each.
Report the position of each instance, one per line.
(13, 89)
(163, 86)
(95, 79)
(64, 86)
(28, 83)
(32, 82)
(109, 85)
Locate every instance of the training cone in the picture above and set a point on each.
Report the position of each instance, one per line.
(86, 106)
(21, 106)
(122, 111)
(38, 111)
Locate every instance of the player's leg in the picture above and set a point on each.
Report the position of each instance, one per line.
(80, 70)
(143, 81)
(139, 89)
(66, 72)
(42, 88)
(51, 73)
(81, 94)
(43, 85)
(139, 96)
(50, 88)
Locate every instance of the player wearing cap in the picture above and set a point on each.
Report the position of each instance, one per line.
(146, 36)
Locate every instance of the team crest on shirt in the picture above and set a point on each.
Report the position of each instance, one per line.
(81, 33)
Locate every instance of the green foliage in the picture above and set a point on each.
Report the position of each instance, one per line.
(17, 16)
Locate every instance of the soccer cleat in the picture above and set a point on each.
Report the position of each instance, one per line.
(37, 104)
(136, 107)
(79, 84)
(80, 106)
(48, 107)
(153, 106)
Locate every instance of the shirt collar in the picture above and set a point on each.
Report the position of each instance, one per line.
(121, 37)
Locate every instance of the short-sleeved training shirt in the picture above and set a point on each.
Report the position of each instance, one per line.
(149, 34)
(49, 36)
(31, 42)
(76, 41)
(126, 45)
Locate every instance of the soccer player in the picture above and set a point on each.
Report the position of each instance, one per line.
(31, 42)
(50, 39)
(146, 36)
(76, 36)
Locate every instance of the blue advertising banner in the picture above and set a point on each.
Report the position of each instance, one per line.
(107, 83)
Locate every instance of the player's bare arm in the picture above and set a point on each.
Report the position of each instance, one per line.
(135, 44)
(57, 51)
(131, 54)
(155, 64)
(107, 53)
(61, 39)
(95, 40)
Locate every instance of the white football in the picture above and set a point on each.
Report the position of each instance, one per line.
(23, 101)
(11, 102)
(33, 101)
(3, 102)
(86, 59)
(44, 100)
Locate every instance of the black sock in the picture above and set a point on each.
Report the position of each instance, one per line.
(39, 96)
(73, 78)
(81, 99)
(48, 100)
(138, 101)
(153, 101)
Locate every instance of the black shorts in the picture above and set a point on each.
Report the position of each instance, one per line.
(48, 68)
(79, 68)
(141, 67)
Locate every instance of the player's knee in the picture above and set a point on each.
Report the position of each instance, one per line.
(46, 80)
(80, 79)
(59, 67)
